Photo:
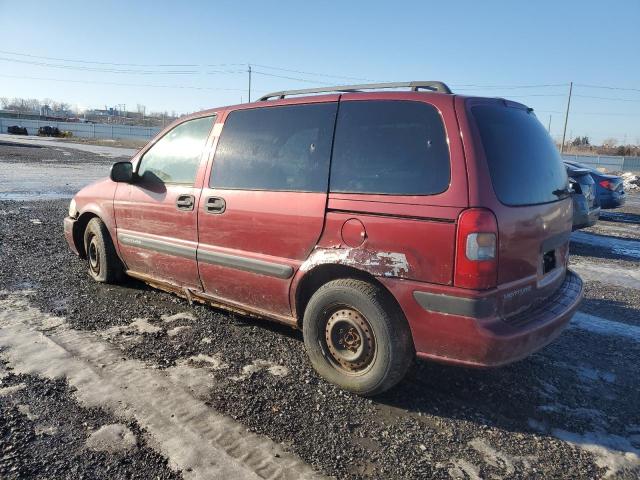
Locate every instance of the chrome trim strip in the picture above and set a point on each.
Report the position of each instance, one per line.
(247, 264)
(157, 245)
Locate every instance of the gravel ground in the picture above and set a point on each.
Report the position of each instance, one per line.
(570, 408)
(44, 434)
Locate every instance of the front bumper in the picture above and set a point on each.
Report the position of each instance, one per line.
(459, 338)
(69, 224)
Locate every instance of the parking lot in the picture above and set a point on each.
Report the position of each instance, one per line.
(130, 382)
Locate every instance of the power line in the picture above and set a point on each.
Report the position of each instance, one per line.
(289, 78)
(160, 65)
(610, 98)
(117, 70)
(145, 85)
(315, 74)
(476, 86)
(608, 87)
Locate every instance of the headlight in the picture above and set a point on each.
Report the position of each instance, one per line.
(72, 209)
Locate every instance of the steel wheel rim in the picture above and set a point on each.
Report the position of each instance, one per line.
(349, 340)
(93, 254)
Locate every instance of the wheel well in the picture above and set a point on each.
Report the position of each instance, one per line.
(78, 231)
(322, 274)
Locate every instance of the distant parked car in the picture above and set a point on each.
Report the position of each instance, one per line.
(49, 131)
(586, 209)
(609, 188)
(16, 130)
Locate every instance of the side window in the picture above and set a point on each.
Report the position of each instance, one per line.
(390, 147)
(176, 156)
(275, 148)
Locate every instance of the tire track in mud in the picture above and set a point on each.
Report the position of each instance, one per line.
(197, 440)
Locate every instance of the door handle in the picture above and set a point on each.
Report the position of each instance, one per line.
(215, 205)
(185, 202)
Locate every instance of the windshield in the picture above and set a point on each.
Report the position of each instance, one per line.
(525, 165)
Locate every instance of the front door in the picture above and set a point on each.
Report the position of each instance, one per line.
(262, 209)
(156, 216)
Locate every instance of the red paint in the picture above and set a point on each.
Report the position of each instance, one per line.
(409, 243)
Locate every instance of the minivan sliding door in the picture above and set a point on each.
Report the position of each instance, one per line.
(262, 211)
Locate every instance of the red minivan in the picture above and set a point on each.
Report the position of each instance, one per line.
(385, 223)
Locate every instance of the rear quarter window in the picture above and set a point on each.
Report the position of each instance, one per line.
(524, 164)
(390, 147)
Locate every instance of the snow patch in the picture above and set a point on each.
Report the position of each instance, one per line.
(631, 181)
(259, 365)
(175, 331)
(178, 316)
(630, 248)
(600, 326)
(111, 439)
(610, 275)
(464, 470)
(499, 459)
(6, 391)
(612, 452)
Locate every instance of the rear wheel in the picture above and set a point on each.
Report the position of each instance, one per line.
(104, 264)
(356, 337)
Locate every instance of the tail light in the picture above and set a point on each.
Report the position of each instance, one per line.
(607, 184)
(476, 250)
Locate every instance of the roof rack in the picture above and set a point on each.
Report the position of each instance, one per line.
(415, 86)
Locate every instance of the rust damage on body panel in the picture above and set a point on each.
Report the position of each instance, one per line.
(381, 264)
(205, 299)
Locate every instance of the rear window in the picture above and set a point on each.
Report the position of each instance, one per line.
(389, 147)
(525, 165)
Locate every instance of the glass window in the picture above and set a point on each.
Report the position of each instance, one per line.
(176, 156)
(525, 165)
(276, 148)
(390, 147)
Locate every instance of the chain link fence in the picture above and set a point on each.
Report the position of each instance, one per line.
(84, 130)
(609, 162)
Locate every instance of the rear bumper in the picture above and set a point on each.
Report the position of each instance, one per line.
(584, 218)
(69, 224)
(460, 338)
(612, 200)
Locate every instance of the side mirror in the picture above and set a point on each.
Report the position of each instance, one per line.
(122, 172)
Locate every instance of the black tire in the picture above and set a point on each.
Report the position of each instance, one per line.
(345, 310)
(103, 261)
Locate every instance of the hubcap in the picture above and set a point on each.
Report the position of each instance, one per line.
(94, 256)
(350, 340)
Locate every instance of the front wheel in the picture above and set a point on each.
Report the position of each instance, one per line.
(104, 264)
(356, 337)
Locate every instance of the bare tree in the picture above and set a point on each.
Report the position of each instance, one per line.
(609, 142)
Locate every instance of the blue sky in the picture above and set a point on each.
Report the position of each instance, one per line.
(488, 43)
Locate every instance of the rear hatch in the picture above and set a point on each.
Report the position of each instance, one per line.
(528, 193)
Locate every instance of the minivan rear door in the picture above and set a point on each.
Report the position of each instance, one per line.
(518, 173)
(263, 204)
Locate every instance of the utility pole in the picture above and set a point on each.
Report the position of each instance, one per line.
(549, 126)
(566, 118)
(249, 83)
